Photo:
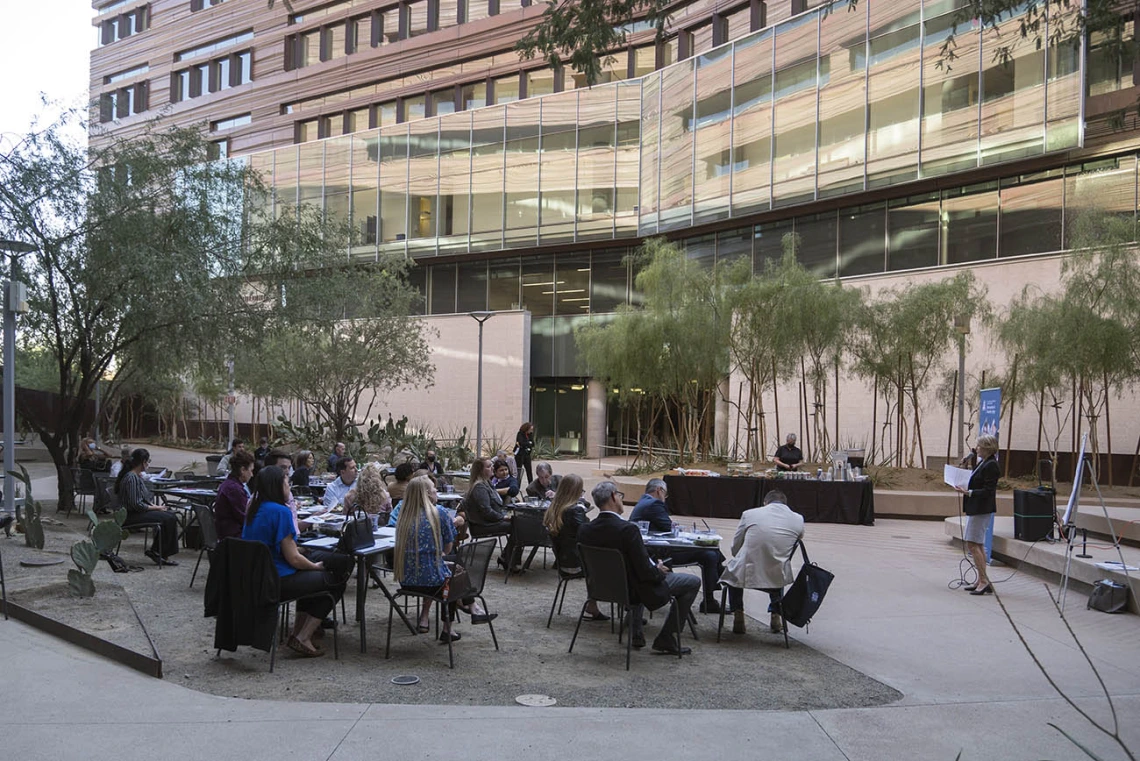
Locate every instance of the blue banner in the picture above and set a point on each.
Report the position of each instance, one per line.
(989, 413)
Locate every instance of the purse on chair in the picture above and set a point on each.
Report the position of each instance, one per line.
(806, 593)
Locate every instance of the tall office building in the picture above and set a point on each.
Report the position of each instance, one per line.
(517, 189)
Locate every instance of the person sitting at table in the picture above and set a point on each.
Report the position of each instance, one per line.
(262, 450)
(651, 584)
(337, 453)
(651, 507)
(117, 465)
(336, 491)
(403, 472)
(371, 495)
(545, 483)
(224, 464)
(486, 515)
(92, 456)
(302, 468)
(424, 535)
(503, 482)
(789, 456)
(433, 466)
(233, 497)
(270, 522)
(134, 495)
(762, 556)
(562, 520)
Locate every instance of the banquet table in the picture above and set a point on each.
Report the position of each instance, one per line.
(850, 502)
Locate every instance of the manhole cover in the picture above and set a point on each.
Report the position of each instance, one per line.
(899, 536)
(535, 701)
(408, 679)
(37, 563)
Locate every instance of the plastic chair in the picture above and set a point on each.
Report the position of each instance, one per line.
(606, 582)
(209, 536)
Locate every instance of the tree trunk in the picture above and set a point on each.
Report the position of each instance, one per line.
(1107, 429)
(837, 401)
(1040, 428)
(1009, 431)
(874, 419)
(775, 405)
(953, 408)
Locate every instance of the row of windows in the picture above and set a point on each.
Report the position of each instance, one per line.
(211, 76)
(123, 102)
(197, 5)
(1016, 217)
(124, 25)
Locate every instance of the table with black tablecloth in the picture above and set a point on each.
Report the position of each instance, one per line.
(817, 501)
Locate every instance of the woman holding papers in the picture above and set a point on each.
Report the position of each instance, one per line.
(979, 505)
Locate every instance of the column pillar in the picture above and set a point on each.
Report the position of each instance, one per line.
(595, 418)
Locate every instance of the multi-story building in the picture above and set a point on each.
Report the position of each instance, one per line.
(517, 189)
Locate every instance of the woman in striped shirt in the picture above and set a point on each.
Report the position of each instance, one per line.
(135, 496)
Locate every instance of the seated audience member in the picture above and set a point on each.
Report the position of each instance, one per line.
(224, 464)
(503, 482)
(762, 556)
(512, 466)
(270, 522)
(545, 483)
(281, 459)
(370, 494)
(562, 520)
(233, 497)
(789, 456)
(92, 456)
(262, 450)
(336, 491)
(403, 472)
(134, 495)
(651, 584)
(302, 468)
(486, 515)
(337, 453)
(651, 507)
(432, 465)
(117, 465)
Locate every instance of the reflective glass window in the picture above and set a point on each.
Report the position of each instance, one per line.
(770, 241)
(950, 94)
(471, 287)
(793, 165)
(702, 39)
(816, 241)
(913, 232)
(477, 9)
(970, 222)
(335, 40)
(1107, 186)
(713, 139)
(608, 281)
(423, 182)
(394, 187)
(752, 124)
(415, 108)
(676, 145)
(503, 282)
(627, 159)
(443, 102)
(572, 284)
(1013, 94)
(1031, 218)
(454, 183)
(558, 162)
(895, 68)
(385, 113)
(522, 174)
(644, 60)
(474, 96)
(448, 13)
(389, 31)
(487, 178)
(416, 17)
(540, 82)
(842, 100)
(538, 285)
(365, 192)
(596, 169)
(650, 153)
(443, 289)
(862, 240)
(739, 22)
(506, 89)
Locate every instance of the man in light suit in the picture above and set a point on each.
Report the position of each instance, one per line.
(650, 583)
(762, 556)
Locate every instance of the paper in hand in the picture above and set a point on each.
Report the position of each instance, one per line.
(956, 477)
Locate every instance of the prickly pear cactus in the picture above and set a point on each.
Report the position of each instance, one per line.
(105, 537)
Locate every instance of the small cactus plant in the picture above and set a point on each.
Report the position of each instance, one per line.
(33, 529)
(105, 537)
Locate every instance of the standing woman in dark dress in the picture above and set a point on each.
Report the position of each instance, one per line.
(979, 505)
(524, 445)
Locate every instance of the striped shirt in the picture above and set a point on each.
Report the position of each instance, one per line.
(134, 494)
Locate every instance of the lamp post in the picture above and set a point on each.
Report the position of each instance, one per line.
(479, 317)
(15, 301)
(231, 400)
(962, 326)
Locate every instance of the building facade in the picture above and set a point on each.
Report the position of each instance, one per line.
(515, 187)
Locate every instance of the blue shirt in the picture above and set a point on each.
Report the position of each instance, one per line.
(272, 524)
(651, 509)
(423, 562)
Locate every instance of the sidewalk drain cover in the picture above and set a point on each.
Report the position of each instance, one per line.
(407, 679)
(40, 563)
(535, 701)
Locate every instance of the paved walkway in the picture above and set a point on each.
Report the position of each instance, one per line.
(968, 686)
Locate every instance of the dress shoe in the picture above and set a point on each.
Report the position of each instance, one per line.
(443, 637)
(638, 640)
(710, 606)
(328, 623)
(738, 622)
(669, 647)
(159, 559)
(483, 618)
(970, 588)
(988, 589)
(776, 624)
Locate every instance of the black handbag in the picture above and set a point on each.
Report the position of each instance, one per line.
(806, 594)
(356, 534)
(1108, 597)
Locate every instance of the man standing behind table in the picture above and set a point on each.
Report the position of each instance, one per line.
(345, 480)
(651, 507)
(651, 584)
(545, 483)
(789, 456)
(762, 556)
(337, 453)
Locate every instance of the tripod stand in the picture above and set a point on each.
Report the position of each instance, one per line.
(1071, 525)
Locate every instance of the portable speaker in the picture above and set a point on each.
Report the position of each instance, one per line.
(1033, 512)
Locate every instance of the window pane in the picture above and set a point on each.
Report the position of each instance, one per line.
(356, 121)
(628, 156)
(644, 60)
(596, 147)
(608, 281)
(472, 287)
(414, 108)
(423, 183)
(538, 285)
(474, 96)
(895, 62)
(572, 284)
(448, 13)
(310, 48)
(793, 169)
(417, 15)
(1031, 218)
(394, 185)
(386, 113)
(443, 289)
(862, 240)
(1108, 186)
(503, 285)
(702, 39)
(539, 82)
(677, 145)
(1013, 95)
(365, 173)
(768, 243)
(522, 173)
(702, 250)
(842, 100)
(713, 125)
(477, 9)
(559, 164)
(971, 227)
(361, 33)
(913, 230)
(650, 154)
(443, 102)
(389, 26)
(816, 236)
(752, 124)
(732, 245)
(487, 173)
(739, 23)
(224, 74)
(336, 42)
(506, 89)
(454, 183)
(950, 98)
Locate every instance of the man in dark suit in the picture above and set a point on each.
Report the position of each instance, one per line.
(650, 584)
(651, 507)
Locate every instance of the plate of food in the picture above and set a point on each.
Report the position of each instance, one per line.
(707, 541)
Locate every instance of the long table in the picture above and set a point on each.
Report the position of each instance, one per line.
(817, 501)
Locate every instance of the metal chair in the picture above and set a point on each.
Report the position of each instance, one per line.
(527, 531)
(564, 580)
(111, 499)
(606, 582)
(779, 609)
(476, 558)
(83, 487)
(209, 536)
(184, 475)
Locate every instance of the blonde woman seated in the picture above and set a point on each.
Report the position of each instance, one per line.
(371, 494)
(425, 535)
(562, 520)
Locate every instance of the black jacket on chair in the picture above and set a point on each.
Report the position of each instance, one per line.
(982, 498)
(242, 591)
(646, 582)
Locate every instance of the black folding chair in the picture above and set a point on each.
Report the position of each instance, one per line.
(779, 606)
(527, 531)
(209, 536)
(476, 558)
(84, 487)
(606, 582)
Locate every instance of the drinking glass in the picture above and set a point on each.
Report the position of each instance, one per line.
(643, 526)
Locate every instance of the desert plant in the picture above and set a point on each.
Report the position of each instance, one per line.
(105, 537)
(33, 528)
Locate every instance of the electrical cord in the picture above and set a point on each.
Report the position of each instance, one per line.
(967, 572)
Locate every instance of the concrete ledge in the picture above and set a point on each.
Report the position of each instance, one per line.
(1048, 558)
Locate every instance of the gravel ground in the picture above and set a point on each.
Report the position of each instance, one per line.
(751, 671)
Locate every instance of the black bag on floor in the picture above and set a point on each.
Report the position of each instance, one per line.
(806, 594)
(1109, 597)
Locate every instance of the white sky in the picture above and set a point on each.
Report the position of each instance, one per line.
(46, 49)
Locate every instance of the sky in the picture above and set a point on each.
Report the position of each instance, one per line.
(60, 71)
